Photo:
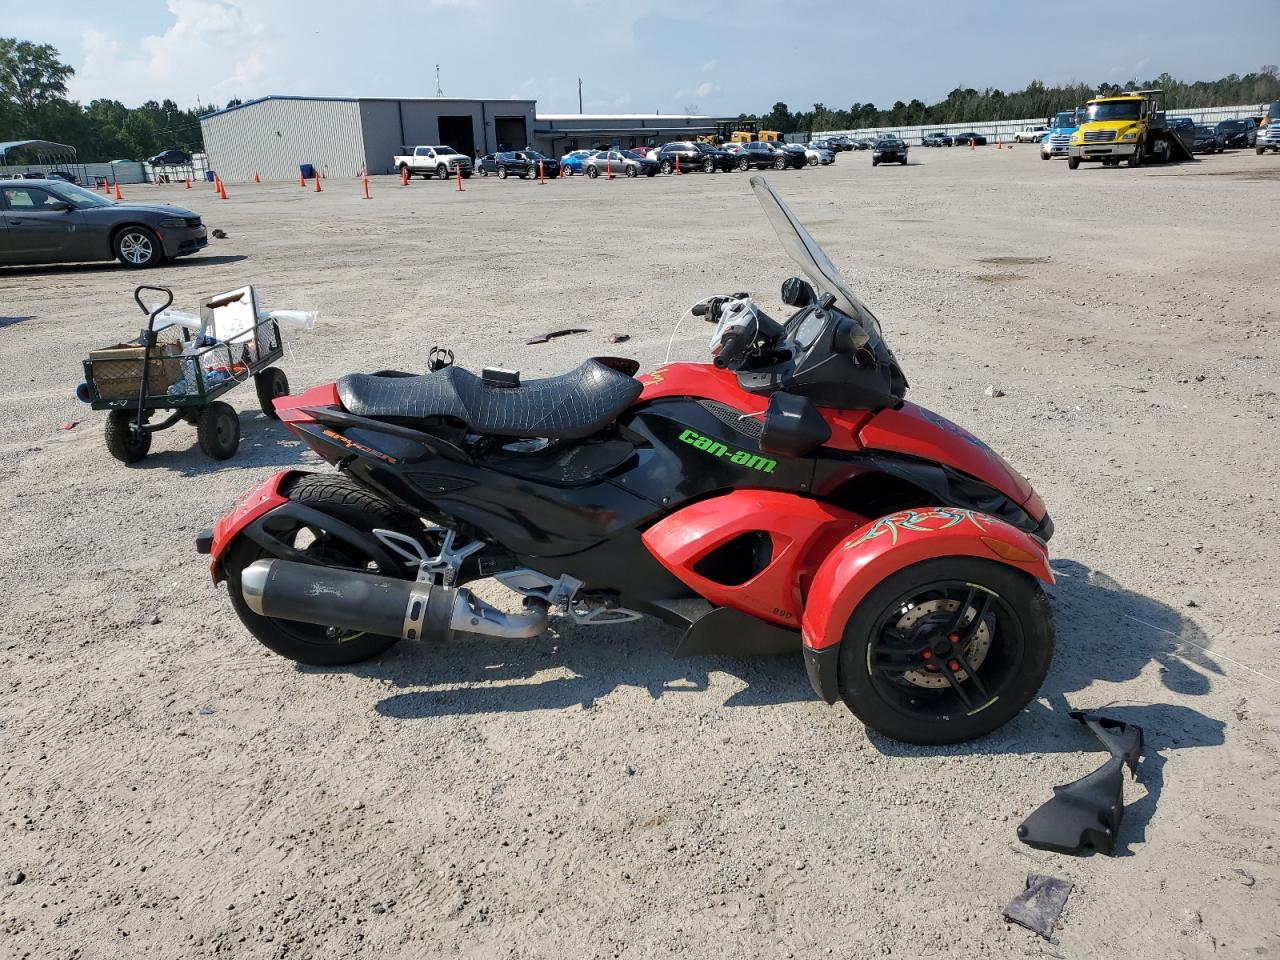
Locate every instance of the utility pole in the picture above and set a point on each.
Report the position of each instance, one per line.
(439, 89)
(579, 95)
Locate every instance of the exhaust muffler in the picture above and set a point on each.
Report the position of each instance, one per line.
(350, 600)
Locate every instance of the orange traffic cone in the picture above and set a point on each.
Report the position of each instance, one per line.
(222, 189)
(106, 186)
(971, 144)
(188, 182)
(256, 178)
(677, 164)
(366, 186)
(608, 164)
(318, 190)
(999, 144)
(459, 169)
(118, 197)
(541, 179)
(404, 176)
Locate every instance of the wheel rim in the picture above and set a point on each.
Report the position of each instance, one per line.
(136, 247)
(225, 428)
(945, 650)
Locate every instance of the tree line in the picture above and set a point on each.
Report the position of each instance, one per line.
(34, 105)
(966, 105)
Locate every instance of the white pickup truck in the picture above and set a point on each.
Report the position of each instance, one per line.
(428, 162)
(1032, 134)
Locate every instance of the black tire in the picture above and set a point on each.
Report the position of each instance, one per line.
(651, 172)
(442, 172)
(1260, 150)
(1073, 163)
(708, 166)
(339, 497)
(502, 173)
(780, 163)
(744, 164)
(270, 383)
(592, 173)
(1135, 159)
(137, 248)
(1018, 629)
(631, 170)
(218, 430)
(875, 162)
(813, 161)
(122, 442)
(465, 175)
(667, 168)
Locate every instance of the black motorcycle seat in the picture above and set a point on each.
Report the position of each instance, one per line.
(573, 405)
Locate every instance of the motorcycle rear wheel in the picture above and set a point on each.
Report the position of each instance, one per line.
(910, 671)
(345, 500)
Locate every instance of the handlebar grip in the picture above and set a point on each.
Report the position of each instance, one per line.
(700, 310)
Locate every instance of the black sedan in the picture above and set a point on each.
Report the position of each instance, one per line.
(170, 158)
(518, 163)
(964, 139)
(51, 221)
(1238, 133)
(1207, 139)
(693, 156)
(889, 150)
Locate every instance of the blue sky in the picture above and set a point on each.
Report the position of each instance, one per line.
(636, 55)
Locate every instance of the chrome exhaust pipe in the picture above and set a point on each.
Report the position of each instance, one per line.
(350, 600)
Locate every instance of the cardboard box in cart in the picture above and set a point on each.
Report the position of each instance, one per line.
(117, 370)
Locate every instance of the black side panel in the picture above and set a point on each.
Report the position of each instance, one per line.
(733, 633)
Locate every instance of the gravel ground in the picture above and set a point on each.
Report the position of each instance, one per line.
(170, 789)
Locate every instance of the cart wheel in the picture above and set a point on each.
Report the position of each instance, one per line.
(271, 383)
(122, 443)
(218, 430)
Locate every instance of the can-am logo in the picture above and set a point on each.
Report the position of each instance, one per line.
(743, 458)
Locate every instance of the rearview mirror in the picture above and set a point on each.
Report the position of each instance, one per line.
(797, 292)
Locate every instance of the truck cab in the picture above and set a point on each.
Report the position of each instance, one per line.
(1061, 127)
(1128, 126)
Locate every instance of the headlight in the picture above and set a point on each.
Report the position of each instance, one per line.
(1129, 136)
(173, 222)
(1075, 138)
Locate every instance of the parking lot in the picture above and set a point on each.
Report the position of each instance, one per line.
(584, 794)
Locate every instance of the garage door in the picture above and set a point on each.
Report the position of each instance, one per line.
(510, 133)
(457, 132)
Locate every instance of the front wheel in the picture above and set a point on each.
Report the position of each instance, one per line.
(743, 164)
(667, 168)
(1135, 158)
(138, 247)
(780, 164)
(1073, 163)
(592, 173)
(344, 500)
(502, 173)
(442, 172)
(813, 161)
(631, 171)
(123, 442)
(708, 166)
(946, 650)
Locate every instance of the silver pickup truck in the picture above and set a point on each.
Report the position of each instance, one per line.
(428, 162)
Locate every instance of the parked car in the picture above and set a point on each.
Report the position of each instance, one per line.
(721, 158)
(819, 152)
(571, 162)
(170, 158)
(63, 175)
(427, 162)
(939, 138)
(964, 139)
(1033, 133)
(841, 142)
(52, 221)
(796, 153)
(692, 158)
(889, 150)
(761, 155)
(1207, 139)
(518, 163)
(1238, 133)
(640, 153)
(863, 143)
(619, 164)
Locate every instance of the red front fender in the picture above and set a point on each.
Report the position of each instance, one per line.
(248, 508)
(883, 547)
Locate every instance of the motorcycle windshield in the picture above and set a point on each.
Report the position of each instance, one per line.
(808, 256)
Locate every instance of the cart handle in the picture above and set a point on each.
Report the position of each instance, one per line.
(137, 296)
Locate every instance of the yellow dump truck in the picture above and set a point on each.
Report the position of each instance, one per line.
(1129, 126)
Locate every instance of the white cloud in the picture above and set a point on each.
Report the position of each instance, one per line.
(707, 89)
(710, 65)
(214, 50)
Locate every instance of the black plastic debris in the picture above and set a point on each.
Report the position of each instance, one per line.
(1038, 907)
(1085, 815)
(544, 337)
(619, 338)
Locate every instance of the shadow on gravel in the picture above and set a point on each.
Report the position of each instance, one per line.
(1106, 633)
(275, 447)
(106, 266)
(476, 675)
(13, 321)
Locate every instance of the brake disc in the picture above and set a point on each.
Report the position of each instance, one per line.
(975, 651)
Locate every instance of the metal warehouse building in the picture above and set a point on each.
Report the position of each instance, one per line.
(558, 133)
(273, 136)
